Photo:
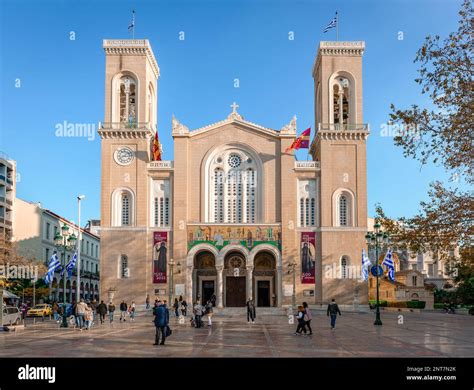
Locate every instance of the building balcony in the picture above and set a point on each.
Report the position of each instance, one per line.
(160, 165)
(343, 127)
(5, 221)
(307, 165)
(126, 129)
(126, 126)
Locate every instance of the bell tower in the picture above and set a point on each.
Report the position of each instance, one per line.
(131, 74)
(340, 147)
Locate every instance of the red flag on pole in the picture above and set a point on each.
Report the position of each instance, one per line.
(156, 148)
(301, 142)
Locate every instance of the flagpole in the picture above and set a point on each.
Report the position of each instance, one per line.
(337, 26)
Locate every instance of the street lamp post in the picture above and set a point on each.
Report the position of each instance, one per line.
(375, 241)
(292, 269)
(170, 292)
(79, 237)
(64, 242)
(171, 264)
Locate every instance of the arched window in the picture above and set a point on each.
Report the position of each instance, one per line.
(123, 207)
(344, 263)
(161, 205)
(343, 201)
(124, 270)
(342, 101)
(233, 187)
(307, 203)
(128, 100)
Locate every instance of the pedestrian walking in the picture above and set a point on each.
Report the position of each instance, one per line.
(307, 317)
(80, 312)
(251, 312)
(198, 310)
(102, 311)
(161, 323)
(176, 307)
(209, 312)
(184, 308)
(94, 310)
(123, 311)
(56, 311)
(332, 311)
(301, 322)
(111, 311)
(131, 311)
(147, 301)
(88, 317)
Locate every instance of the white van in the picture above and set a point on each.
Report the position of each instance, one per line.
(11, 316)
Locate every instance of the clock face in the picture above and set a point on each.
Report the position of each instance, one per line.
(123, 155)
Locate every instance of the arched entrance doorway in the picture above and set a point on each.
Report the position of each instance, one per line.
(264, 279)
(205, 276)
(235, 279)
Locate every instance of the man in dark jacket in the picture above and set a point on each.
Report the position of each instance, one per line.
(332, 311)
(161, 322)
(123, 311)
(102, 311)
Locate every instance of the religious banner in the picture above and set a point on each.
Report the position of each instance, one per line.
(308, 252)
(222, 235)
(160, 257)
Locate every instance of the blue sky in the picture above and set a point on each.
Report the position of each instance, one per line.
(63, 80)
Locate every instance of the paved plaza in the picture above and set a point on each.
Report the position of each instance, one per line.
(421, 335)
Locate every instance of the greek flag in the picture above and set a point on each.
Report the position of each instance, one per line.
(70, 266)
(332, 24)
(54, 264)
(391, 274)
(365, 265)
(388, 262)
(132, 24)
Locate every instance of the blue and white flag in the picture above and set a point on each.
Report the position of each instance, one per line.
(132, 23)
(365, 265)
(391, 274)
(388, 262)
(70, 266)
(54, 264)
(332, 24)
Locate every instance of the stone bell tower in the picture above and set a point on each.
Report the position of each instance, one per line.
(131, 74)
(340, 148)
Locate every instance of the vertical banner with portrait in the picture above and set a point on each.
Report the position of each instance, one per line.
(160, 256)
(308, 256)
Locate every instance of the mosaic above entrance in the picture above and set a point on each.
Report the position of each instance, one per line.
(222, 235)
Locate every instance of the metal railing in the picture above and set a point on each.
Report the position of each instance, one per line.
(126, 126)
(307, 164)
(343, 127)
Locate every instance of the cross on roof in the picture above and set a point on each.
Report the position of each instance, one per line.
(234, 107)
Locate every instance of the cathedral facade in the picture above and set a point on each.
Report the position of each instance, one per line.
(234, 215)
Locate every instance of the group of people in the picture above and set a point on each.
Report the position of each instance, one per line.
(82, 315)
(180, 305)
(202, 310)
(304, 317)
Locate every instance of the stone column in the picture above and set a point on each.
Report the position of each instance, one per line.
(279, 288)
(249, 282)
(220, 287)
(189, 285)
